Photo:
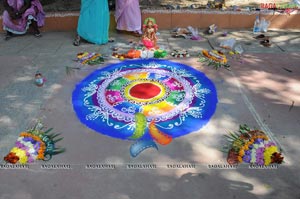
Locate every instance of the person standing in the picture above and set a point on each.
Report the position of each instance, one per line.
(18, 15)
(128, 16)
(93, 23)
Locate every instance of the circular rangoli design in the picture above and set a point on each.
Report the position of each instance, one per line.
(148, 101)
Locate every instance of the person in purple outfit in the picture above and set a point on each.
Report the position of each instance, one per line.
(128, 16)
(20, 14)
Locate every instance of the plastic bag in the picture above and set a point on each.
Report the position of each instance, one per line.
(228, 43)
(264, 25)
(195, 33)
(238, 49)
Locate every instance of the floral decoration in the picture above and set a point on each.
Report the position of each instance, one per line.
(214, 58)
(251, 146)
(35, 144)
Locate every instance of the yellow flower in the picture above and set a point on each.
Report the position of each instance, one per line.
(23, 159)
(242, 148)
(268, 154)
(21, 154)
(241, 153)
(240, 159)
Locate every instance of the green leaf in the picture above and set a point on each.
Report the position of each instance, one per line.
(224, 150)
(238, 134)
(33, 129)
(229, 138)
(233, 135)
(247, 127)
(55, 152)
(202, 59)
(48, 130)
(52, 136)
(59, 139)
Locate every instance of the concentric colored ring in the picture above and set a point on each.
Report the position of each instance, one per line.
(183, 100)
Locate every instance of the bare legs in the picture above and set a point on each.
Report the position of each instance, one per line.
(34, 25)
(35, 28)
(8, 35)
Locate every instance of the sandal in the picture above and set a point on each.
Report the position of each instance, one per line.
(111, 40)
(136, 34)
(170, 7)
(38, 35)
(76, 41)
(265, 43)
(261, 36)
(8, 36)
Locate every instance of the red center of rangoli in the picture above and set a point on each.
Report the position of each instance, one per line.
(144, 91)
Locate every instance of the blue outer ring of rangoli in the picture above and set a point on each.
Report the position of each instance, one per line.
(193, 118)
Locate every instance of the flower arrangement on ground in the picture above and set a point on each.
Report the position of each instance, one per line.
(251, 146)
(90, 58)
(214, 58)
(35, 144)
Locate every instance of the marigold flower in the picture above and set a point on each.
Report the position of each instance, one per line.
(205, 53)
(241, 153)
(240, 159)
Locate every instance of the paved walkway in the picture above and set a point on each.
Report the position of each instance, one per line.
(259, 91)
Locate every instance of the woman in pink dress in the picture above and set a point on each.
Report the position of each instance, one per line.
(20, 14)
(128, 16)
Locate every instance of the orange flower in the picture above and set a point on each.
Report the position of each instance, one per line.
(208, 55)
(205, 53)
(249, 143)
(25, 134)
(40, 156)
(241, 153)
(215, 59)
(240, 159)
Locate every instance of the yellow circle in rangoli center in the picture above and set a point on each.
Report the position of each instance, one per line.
(144, 91)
